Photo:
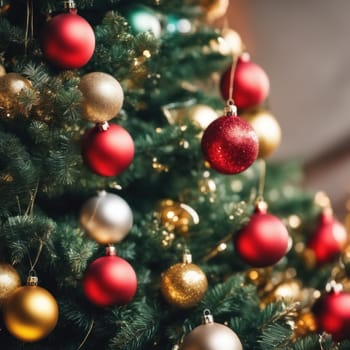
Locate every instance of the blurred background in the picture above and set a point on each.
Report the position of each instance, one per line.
(304, 48)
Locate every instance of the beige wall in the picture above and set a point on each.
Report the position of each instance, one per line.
(304, 46)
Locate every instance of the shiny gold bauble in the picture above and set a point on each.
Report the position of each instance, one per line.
(9, 281)
(11, 84)
(202, 115)
(287, 291)
(305, 324)
(267, 129)
(214, 9)
(184, 285)
(228, 43)
(211, 336)
(30, 313)
(176, 216)
(2, 70)
(102, 97)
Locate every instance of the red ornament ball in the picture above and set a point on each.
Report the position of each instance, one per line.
(332, 313)
(251, 85)
(108, 152)
(328, 240)
(230, 145)
(263, 241)
(68, 41)
(110, 280)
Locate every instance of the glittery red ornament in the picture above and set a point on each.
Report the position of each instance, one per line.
(332, 314)
(108, 152)
(263, 241)
(328, 240)
(110, 280)
(230, 145)
(251, 85)
(68, 41)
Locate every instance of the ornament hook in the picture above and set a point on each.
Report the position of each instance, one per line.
(207, 317)
(69, 4)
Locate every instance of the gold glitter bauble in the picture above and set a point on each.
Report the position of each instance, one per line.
(11, 84)
(9, 281)
(176, 216)
(102, 97)
(267, 129)
(184, 284)
(30, 313)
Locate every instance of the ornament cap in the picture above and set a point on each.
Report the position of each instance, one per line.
(111, 250)
(187, 257)
(32, 281)
(261, 206)
(69, 4)
(230, 108)
(334, 287)
(207, 317)
(244, 57)
(103, 126)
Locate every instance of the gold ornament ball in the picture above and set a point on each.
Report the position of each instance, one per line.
(287, 291)
(2, 70)
(103, 97)
(11, 84)
(228, 43)
(184, 285)
(30, 313)
(176, 216)
(305, 324)
(214, 9)
(202, 115)
(267, 130)
(9, 281)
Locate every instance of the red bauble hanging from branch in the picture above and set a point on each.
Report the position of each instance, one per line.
(332, 313)
(328, 239)
(110, 280)
(108, 149)
(251, 85)
(68, 41)
(264, 240)
(230, 144)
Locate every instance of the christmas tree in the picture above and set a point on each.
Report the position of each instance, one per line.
(139, 209)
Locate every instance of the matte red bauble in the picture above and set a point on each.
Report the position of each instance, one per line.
(251, 85)
(328, 240)
(110, 280)
(332, 313)
(108, 152)
(230, 145)
(263, 241)
(68, 41)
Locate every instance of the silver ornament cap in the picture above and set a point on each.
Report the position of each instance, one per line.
(106, 218)
(211, 336)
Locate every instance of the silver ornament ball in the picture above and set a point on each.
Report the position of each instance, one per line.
(211, 336)
(106, 218)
